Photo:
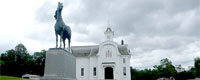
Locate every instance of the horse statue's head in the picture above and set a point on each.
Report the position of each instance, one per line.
(60, 7)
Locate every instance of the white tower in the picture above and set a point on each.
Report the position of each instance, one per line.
(109, 34)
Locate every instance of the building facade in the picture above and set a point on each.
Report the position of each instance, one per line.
(106, 61)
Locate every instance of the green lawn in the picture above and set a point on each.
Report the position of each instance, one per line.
(11, 78)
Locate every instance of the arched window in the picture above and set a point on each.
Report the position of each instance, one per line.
(108, 53)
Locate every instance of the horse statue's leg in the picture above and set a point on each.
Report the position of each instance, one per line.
(69, 40)
(56, 40)
(64, 43)
(60, 42)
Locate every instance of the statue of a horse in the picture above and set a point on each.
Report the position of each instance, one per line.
(60, 28)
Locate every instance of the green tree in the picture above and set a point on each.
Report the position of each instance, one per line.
(146, 74)
(133, 74)
(18, 61)
(15, 61)
(9, 59)
(39, 62)
(179, 68)
(197, 67)
(165, 69)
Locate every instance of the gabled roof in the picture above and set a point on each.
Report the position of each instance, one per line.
(123, 50)
(84, 51)
(80, 51)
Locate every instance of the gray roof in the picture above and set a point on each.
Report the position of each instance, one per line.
(84, 51)
(123, 50)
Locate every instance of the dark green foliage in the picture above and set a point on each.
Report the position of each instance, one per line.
(165, 69)
(39, 61)
(184, 75)
(18, 62)
(197, 67)
(146, 74)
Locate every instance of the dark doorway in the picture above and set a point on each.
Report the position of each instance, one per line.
(109, 73)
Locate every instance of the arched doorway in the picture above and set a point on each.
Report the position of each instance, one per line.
(109, 73)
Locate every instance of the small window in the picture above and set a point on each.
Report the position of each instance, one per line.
(124, 71)
(82, 71)
(124, 60)
(94, 71)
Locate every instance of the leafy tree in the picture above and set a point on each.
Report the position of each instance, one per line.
(166, 69)
(18, 61)
(179, 68)
(133, 73)
(184, 75)
(146, 74)
(39, 62)
(20, 49)
(197, 67)
(15, 61)
(9, 59)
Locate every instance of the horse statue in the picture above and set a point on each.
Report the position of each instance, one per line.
(60, 28)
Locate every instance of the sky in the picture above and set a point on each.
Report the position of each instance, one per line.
(153, 29)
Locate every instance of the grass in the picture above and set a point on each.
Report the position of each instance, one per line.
(11, 78)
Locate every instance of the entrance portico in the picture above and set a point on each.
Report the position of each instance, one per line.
(108, 69)
(108, 73)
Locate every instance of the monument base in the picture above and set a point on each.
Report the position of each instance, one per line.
(59, 65)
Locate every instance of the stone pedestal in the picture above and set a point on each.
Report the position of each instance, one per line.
(59, 65)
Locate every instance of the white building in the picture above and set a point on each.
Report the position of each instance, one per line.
(108, 60)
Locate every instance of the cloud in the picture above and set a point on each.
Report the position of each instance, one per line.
(153, 29)
(179, 6)
(177, 55)
(45, 13)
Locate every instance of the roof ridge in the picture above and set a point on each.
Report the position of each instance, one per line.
(86, 46)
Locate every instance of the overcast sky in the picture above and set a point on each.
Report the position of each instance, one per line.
(153, 29)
